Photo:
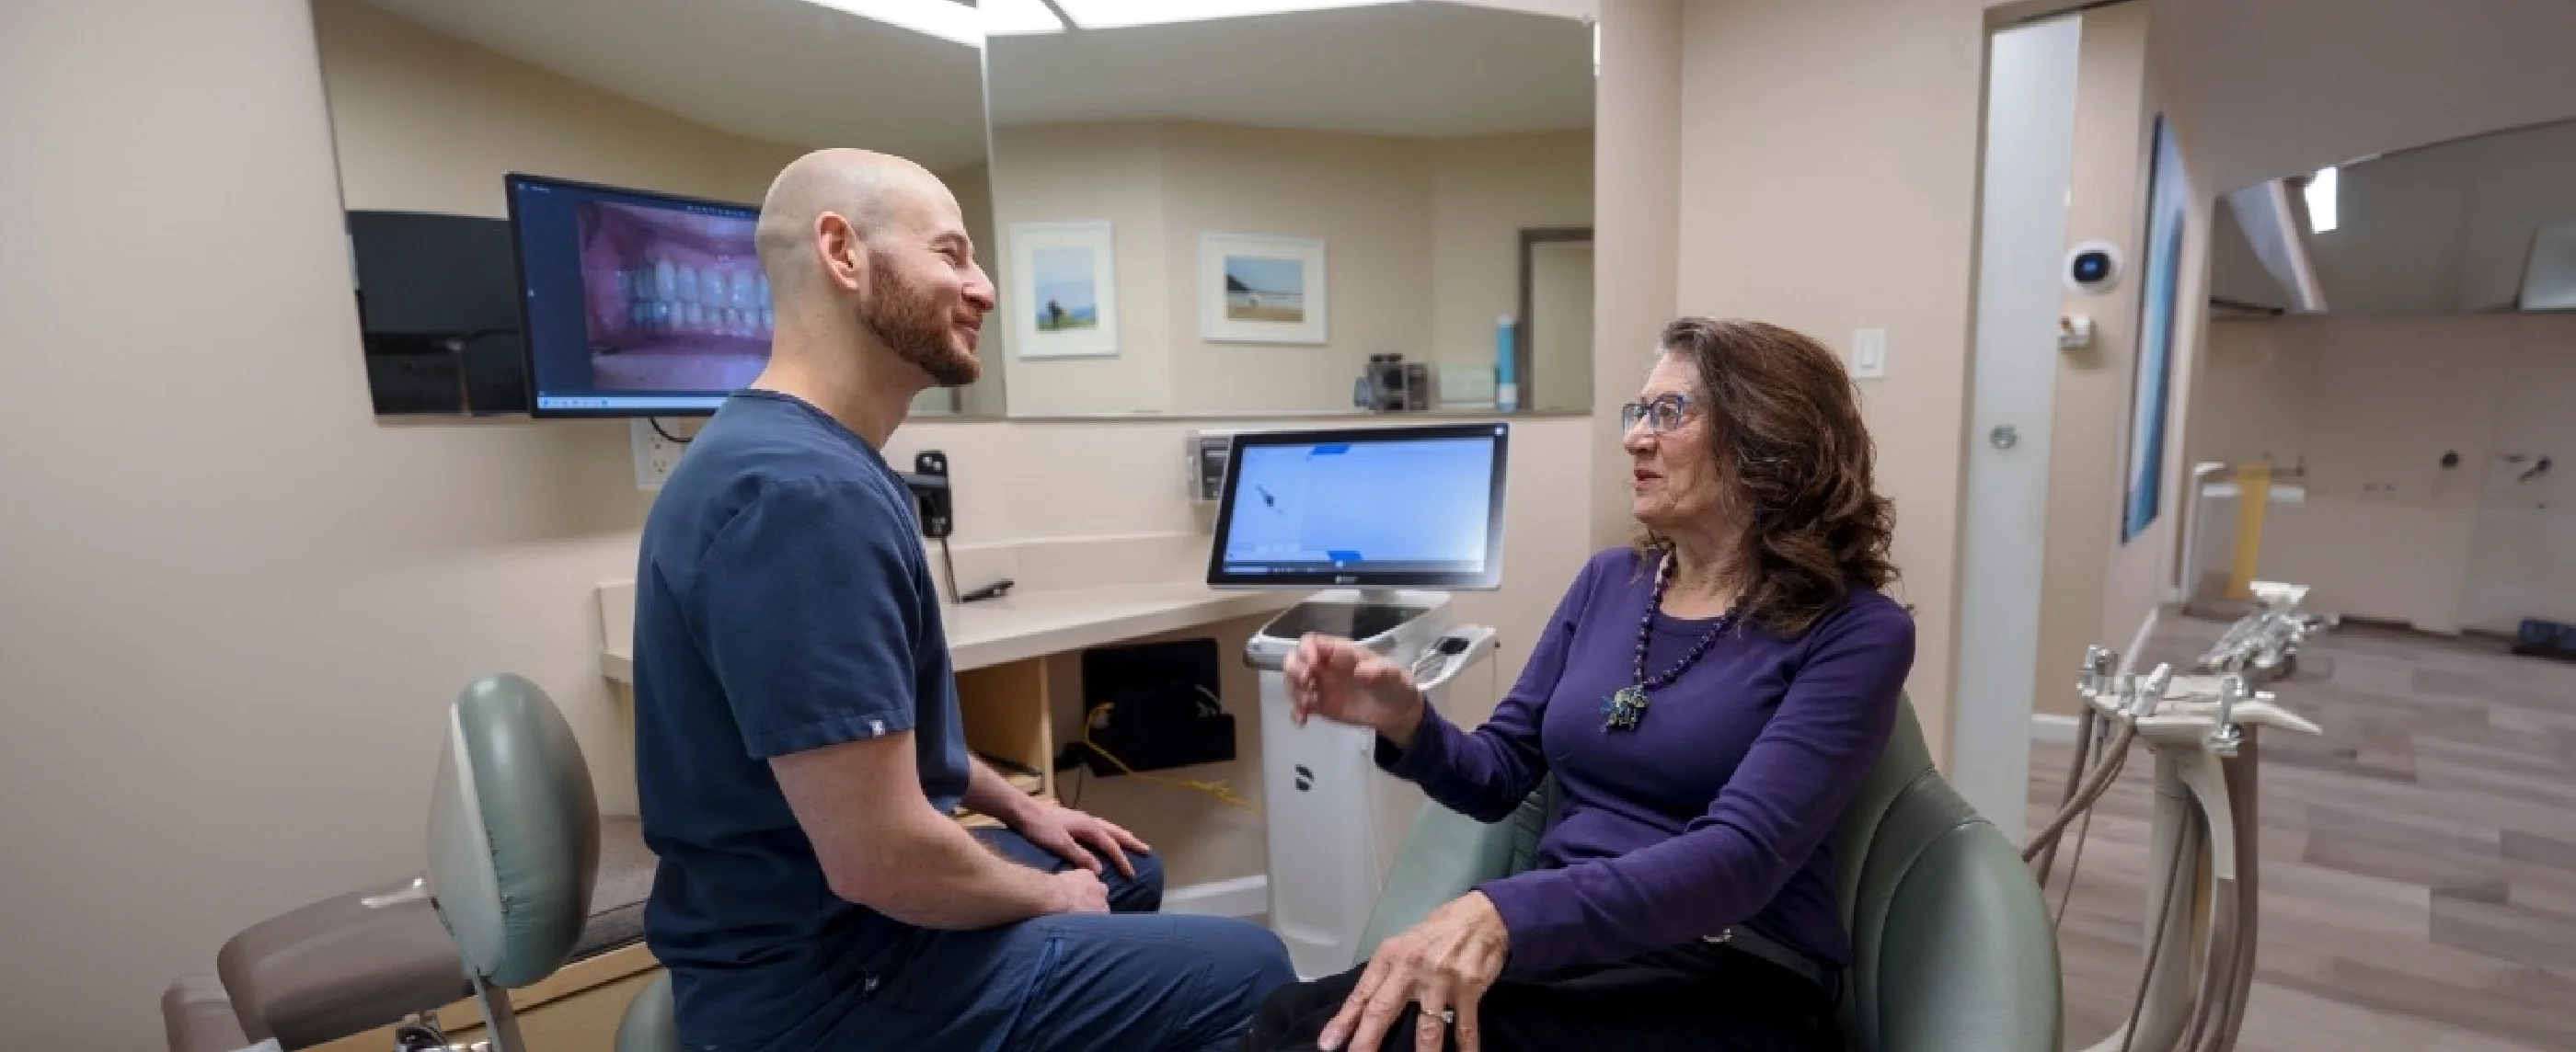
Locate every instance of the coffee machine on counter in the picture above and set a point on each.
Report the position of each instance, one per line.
(1392, 385)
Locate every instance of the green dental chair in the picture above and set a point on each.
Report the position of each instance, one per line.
(1953, 951)
(513, 848)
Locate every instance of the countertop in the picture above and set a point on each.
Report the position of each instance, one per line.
(1019, 626)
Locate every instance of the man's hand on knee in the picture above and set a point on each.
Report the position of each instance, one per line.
(1079, 838)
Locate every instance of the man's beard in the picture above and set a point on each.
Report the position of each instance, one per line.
(918, 327)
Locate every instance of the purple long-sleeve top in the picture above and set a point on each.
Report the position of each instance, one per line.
(1718, 809)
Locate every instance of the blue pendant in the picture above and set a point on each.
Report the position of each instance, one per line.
(1621, 711)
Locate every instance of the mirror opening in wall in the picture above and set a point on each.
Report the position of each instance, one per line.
(1322, 209)
(642, 145)
(2390, 349)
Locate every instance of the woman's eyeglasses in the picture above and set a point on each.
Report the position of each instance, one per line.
(1660, 414)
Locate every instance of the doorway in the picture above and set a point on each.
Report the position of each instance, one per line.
(2029, 160)
(1555, 350)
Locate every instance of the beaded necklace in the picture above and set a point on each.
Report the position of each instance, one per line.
(1623, 710)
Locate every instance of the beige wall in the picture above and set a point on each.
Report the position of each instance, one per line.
(2368, 406)
(1365, 197)
(1485, 190)
(1068, 173)
(238, 603)
(2106, 200)
(1637, 172)
(2144, 571)
(1421, 240)
(1807, 132)
(424, 121)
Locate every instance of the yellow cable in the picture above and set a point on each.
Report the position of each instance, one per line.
(1220, 790)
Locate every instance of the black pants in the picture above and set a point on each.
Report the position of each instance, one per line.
(1699, 998)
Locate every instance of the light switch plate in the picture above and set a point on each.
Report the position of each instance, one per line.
(1869, 354)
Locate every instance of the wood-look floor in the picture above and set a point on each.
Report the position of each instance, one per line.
(2419, 859)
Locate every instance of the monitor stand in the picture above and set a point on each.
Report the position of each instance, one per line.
(1335, 822)
(1395, 622)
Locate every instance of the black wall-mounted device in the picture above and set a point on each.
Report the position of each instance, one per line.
(929, 482)
(438, 313)
(936, 504)
(1205, 459)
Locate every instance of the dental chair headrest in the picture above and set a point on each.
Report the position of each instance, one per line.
(513, 833)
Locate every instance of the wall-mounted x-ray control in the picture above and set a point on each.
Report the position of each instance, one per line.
(1206, 455)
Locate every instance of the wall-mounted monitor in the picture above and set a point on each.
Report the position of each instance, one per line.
(438, 313)
(1363, 507)
(636, 303)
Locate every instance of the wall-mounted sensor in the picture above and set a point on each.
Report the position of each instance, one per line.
(2093, 267)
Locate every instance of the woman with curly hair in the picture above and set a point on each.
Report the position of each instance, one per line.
(1708, 702)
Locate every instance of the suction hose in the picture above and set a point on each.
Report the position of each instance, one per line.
(2115, 756)
(2087, 723)
(2155, 946)
(2231, 980)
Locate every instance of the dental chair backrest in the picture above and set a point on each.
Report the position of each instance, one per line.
(1952, 950)
(513, 840)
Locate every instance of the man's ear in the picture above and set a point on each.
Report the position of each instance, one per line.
(841, 250)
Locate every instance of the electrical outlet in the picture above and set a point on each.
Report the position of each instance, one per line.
(655, 455)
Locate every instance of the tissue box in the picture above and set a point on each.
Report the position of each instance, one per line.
(1467, 386)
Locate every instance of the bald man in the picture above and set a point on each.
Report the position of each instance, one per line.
(797, 742)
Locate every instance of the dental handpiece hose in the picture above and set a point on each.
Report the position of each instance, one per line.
(2141, 698)
(2090, 680)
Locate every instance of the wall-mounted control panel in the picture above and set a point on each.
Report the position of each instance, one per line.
(1204, 460)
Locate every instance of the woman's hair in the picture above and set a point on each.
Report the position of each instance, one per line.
(1794, 466)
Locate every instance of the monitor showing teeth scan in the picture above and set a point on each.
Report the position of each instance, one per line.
(1374, 507)
(636, 303)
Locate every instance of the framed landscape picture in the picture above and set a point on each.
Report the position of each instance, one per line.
(1064, 285)
(1261, 288)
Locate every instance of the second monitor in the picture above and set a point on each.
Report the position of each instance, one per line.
(1371, 508)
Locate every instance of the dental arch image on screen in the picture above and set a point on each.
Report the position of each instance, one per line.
(1397, 505)
(637, 303)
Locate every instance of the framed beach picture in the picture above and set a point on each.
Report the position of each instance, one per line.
(1261, 288)
(1064, 290)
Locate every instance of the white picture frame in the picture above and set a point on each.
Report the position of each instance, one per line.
(1263, 288)
(1055, 268)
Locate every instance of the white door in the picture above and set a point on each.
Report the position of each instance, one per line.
(2030, 143)
(1561, 333)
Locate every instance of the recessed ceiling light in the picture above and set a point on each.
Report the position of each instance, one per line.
(2321, 201)
(1017, 17)
(945, 19)
(1110, 14)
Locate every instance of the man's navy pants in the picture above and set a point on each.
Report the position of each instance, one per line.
(1131, 980)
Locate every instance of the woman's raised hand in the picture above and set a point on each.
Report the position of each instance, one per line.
(1342, 681)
